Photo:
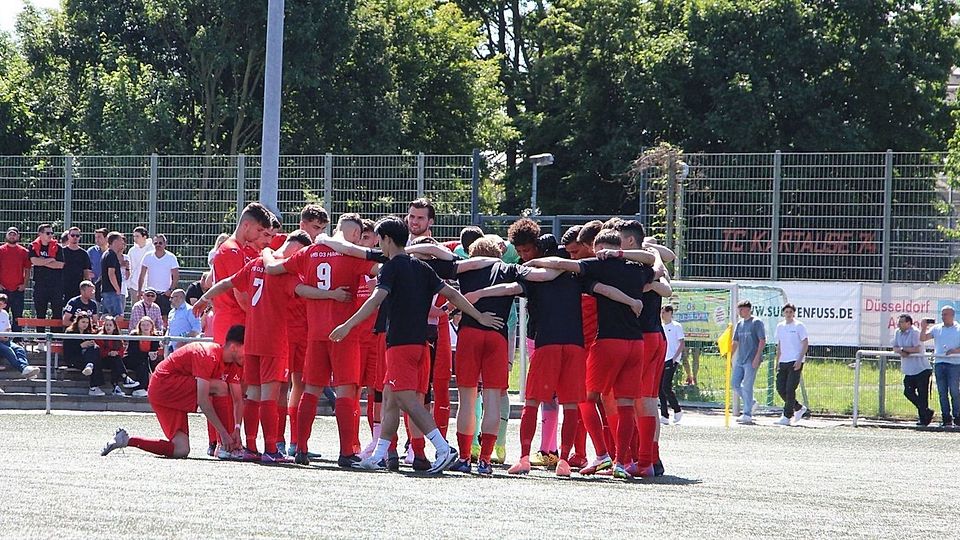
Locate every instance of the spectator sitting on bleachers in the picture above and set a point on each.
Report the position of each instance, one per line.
(142, 354)
(148, 308)
(12, 352)
(84, 302)
(84, 354)
(181, 322)
(112, 351)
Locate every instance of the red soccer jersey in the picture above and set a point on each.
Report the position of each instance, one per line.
(13, 259)
(277, 241)
(364, 289)
(174, 382)
(228, 260)
(268, 307)
(324, 268)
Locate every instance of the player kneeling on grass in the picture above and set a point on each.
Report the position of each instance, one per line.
(185, 379)
(410, 285)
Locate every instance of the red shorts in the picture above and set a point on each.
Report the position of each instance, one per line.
(381, 372)
(264, 369)
(443, 364)
(369, 349)
(482, 355)
(557, 370)
(325, 358)
(408, 368)
(222, 324)
(615, 364)
(296, 351)
(171, 421)
(654, 349)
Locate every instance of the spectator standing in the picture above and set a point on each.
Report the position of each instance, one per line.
(82, 303)
(674, 355)
(946, 362)
(160, 271)
(141, 246)
(142, 354)
(12, 352)
(198, 287)
(181, 322)
(749, 339)
(111, 280)
(95, 254)
(915, 367)
(84, 354)
(792, 346)
(46, 256)
(147, 307)
(76, 264)
(14, 273)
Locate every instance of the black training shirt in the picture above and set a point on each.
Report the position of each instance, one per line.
(497, 273)
(650, 316)
(77, 305)
(411, 285)
(49, 278)
(75, 261)
(110, 260)
(556, 307)
(616, 320)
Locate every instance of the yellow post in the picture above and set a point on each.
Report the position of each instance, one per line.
(725, 346)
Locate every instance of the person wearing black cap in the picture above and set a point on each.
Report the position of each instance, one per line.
(14, 271)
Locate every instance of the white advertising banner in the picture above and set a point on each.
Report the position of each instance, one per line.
(884, 302)
(829, 310)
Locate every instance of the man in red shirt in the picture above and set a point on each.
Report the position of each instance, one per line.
(369, 343)
(230, 257)
(14, 272)
(184, 380)
(265, 363)
(320, 267)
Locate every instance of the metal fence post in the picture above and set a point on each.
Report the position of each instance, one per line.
(856, 387)
(328, 183)
(48, 347)
(775, 216)
(68, 193)
(887, 209)
(241, 183)
(882, 390)
(152, 205)
(475, 191)
(671, 202)
(420, 175)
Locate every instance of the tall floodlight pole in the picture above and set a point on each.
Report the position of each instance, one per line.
(539, 160)
(272, 76)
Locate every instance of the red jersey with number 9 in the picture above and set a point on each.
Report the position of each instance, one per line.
(324, 268)
(266, 329)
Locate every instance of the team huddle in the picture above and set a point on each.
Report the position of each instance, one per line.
(370, 307)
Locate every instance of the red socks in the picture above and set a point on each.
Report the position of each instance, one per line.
(441, 408)
(281, 422)
(568, 431)
(580, 442)
(268, 419)
(418, 444)
(159, 447)
(356, 426)
(487, 442)
(370, 421)
(223, 406)
(528, 428)
(347, 424)
(656, 451)
(592, 425)
(647, 425)
(251, 422)
(464, 442)
(292, 413)
(306, 412)
(625, 427)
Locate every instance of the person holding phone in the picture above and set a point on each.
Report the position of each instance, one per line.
(946, 362)
(915, 367)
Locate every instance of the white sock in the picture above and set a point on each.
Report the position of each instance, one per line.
(436, 438)
(376, 431)
(381, 452)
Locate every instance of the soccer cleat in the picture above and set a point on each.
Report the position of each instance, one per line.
(462, 465)
(346, 462)
(96, 391)
(620, 472)
(87, 370)
(408, 459)
(602, 463)
(270, 458)
(484, 468)
(129, 383)
(393, 460)
(520, 467)
(120, 440)
(500, 454)
(783, 421)
(658, 469)
(139, 393)
(368, 451)
(282, 447)
(577, 461)
(301, 458)
(250, 455)
(368, 464)
(677, 417)
(226, 455)
(444, 460)
(636, 471)
(212, 449)
(797, 416)
(117, 391)
(30, 372)
(563, 468)
(421, 464)
(664, 421)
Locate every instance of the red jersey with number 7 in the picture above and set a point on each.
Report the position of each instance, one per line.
(266, 331)
(322, 267)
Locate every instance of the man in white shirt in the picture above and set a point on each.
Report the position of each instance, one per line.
(141, 246)
(792, 346)
(160, 271)
(675, 345)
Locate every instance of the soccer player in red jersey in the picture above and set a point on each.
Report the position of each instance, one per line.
(323, 268)
(369, 342)
(408, 285)
(616, 358)
(265, 366)
(185, 379)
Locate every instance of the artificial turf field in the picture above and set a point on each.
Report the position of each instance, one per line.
(817, 480)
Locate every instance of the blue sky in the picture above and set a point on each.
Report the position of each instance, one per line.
(9, 9)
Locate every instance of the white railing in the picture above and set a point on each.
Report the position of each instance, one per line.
(49, 338)
(884, 357)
